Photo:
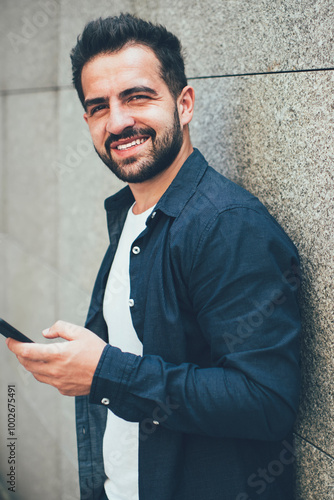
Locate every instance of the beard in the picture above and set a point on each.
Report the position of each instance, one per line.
(158, 158)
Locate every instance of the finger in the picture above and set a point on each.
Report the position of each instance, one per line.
(14, 345)
(35, 352)
(64, 330)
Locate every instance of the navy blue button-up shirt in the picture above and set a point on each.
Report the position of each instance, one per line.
(213, 299)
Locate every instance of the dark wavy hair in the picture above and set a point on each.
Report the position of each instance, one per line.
(111, 34)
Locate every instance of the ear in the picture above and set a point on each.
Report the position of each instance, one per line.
(186, 101)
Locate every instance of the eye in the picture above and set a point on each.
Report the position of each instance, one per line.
(138, 97)
(95, 109)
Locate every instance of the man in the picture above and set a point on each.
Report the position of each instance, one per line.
(188, 387)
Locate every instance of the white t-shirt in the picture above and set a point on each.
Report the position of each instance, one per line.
(120, 441)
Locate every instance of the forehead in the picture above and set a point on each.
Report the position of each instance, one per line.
(135, 64)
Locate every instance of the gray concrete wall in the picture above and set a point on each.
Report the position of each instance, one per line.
(262, 117)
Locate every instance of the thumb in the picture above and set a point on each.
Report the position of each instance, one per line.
(62, 329)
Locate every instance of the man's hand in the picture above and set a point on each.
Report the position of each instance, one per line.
(68, 366)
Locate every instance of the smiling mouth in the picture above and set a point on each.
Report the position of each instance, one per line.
(123, 145)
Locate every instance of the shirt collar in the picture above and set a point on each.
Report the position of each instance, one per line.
(177, 194)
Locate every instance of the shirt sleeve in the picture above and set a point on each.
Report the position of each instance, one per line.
(243, 285)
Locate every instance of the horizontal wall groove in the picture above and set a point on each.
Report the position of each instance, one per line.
(282, 72)
(314, 445)
(35, 90)
(57, 88)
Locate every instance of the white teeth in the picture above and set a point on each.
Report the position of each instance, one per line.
(131, 144)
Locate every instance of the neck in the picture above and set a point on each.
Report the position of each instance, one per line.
(148, 193)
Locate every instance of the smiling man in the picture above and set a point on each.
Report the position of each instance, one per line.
(139, 128)
(186, 374)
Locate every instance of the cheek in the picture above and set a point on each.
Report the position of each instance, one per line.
(155, 116)
(159, 122)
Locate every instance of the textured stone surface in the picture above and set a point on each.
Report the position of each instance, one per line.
(45, 421)
(315, 472)
(234, 37)
(2, 177)
(68, 479)
(39, 426)
(31, 292)
(2, 50)
(2, 271)
(2, 206)
(84, 184)
(31, 301)
(273, 134)
(243, 36)
(31, 184)
(30, 43)
(3, 242)
(74, 16)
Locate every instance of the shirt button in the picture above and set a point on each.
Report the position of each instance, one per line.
(135, 250)
(155, 422)
(153, 215)
(105, 401)
(131, 302)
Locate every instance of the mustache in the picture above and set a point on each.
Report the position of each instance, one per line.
(128, 133)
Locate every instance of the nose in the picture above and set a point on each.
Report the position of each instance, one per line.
(119, 119)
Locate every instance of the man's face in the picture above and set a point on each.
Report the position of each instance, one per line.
(132, 116)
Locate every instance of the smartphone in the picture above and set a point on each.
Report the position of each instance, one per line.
(9, 331)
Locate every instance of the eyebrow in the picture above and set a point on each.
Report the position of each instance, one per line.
(138, 89)
(122, 95)
(97, 100)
